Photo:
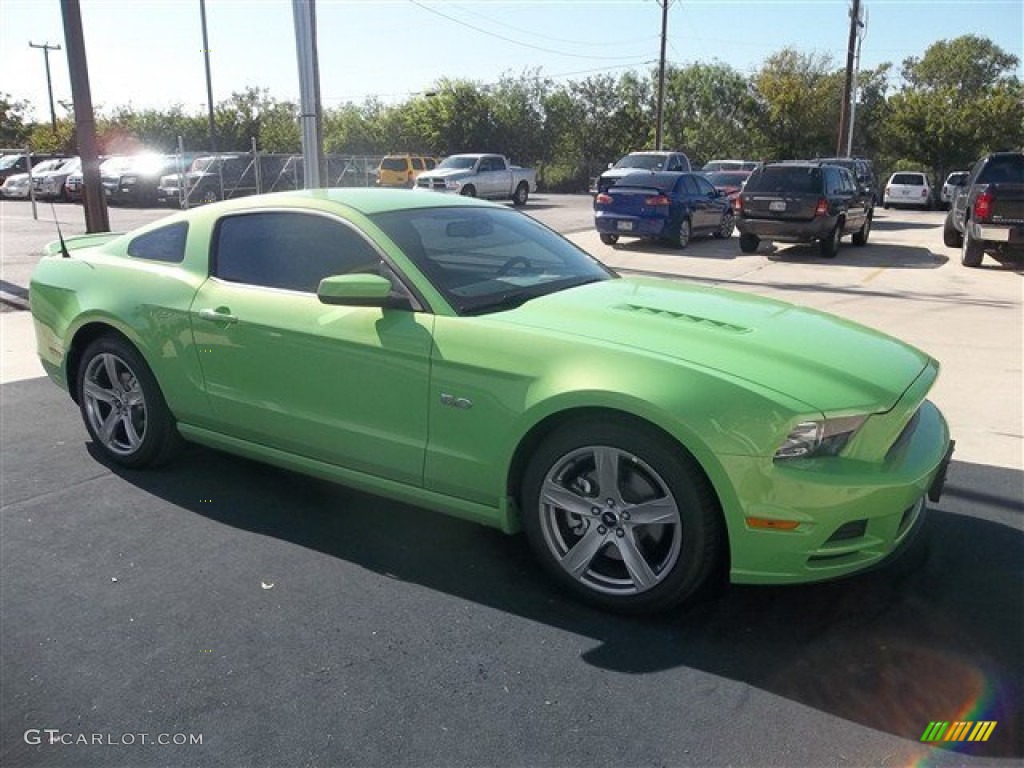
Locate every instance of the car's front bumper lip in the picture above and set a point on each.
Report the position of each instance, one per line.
(881, 502)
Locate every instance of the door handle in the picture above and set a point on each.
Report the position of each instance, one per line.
(216, 316)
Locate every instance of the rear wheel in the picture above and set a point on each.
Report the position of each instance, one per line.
(522, 194)
(749, 243)
(727, 225)
(681, 239)
(829, 245)
(971, 252)
(122, 405)
(468, 191)
(609, 239)
(621, 517)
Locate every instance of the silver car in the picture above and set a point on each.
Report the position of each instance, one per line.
(949, 187)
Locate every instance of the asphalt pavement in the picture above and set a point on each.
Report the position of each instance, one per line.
(280, 620)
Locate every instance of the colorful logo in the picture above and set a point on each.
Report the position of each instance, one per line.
(961, 730)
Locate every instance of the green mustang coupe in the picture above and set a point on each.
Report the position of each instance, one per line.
(457, 355)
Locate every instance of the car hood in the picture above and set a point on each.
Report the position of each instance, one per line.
(448, 173)
(824, 361)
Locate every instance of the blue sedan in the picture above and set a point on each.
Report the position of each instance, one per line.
(667, 206)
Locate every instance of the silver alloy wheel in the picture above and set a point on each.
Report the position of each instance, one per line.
(610, 520)
(114, 404)
(684, 233)
(726, 227)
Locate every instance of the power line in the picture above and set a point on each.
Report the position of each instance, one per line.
(513, 41)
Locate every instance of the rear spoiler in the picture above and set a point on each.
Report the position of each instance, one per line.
(79, 242)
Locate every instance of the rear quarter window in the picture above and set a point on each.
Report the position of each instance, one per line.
(1003, 169)
(165, 244)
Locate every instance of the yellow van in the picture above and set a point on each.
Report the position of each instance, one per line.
(402, 170)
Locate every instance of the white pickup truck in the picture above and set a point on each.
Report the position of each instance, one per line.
(477, 175)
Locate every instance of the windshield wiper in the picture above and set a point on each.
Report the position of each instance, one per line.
(514, 299)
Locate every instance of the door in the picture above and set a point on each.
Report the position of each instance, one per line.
(712, 204)
(344, 385)
(494, 178)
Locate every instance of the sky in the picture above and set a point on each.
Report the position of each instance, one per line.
(148, 53)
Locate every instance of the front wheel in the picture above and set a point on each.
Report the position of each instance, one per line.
(726, 226)
(860, 237)
(122, 406)
(609, 239)
(621, 517)
(951, 238)
(521, 195)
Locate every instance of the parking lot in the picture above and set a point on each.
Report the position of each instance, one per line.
(288, 621)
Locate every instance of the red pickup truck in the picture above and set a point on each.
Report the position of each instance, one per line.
(987, 211)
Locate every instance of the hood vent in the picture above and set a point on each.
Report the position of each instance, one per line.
(668, 314)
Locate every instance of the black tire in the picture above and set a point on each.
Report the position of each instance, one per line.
(860, 237)
(115, 387)
(749, 243)
(682, 236)
(609, 239)
(521, 195)
(829, 245)
(971, 251)
(726, 226)
(468, 191)
(625, 565)
(951, 237)
(207, 196)
(885, 206)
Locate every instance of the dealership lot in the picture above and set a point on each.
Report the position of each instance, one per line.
(289, 621)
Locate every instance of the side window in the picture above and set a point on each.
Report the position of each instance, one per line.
(164, 244)
(417, 163)
(690, 185)
(672, 164)
(832, 182)
(430, 163)
(704, 187)
(293, 251)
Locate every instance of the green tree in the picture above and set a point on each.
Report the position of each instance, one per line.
(799, 99)
(958, 101)
(708, 108)
(13, 129)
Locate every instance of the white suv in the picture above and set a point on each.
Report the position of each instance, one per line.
(908, 188)
(954, 180)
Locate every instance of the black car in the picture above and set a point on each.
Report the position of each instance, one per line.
(803, 202)
(227, 176)
(987, 215)
(135, 181)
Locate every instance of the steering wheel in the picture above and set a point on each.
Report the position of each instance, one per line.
(510, 266)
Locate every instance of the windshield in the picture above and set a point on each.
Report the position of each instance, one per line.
(9, 161)
(116, 164)
(647, 162)
(47, 165)
(488, 259)
(393, 164)
(457, 161)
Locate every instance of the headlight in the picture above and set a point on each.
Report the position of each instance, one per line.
(452, 184)
(825, 437)
(128, 179)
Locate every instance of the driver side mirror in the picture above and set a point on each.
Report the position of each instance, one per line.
(356, 290)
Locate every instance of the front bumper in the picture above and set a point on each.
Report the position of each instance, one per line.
(851, 514)
(787, 231)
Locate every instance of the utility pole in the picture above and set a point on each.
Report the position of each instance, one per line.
(847, 87)
(209, 102)
(46, 48)
(304, 16)
(658, 133)
(862, 32)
